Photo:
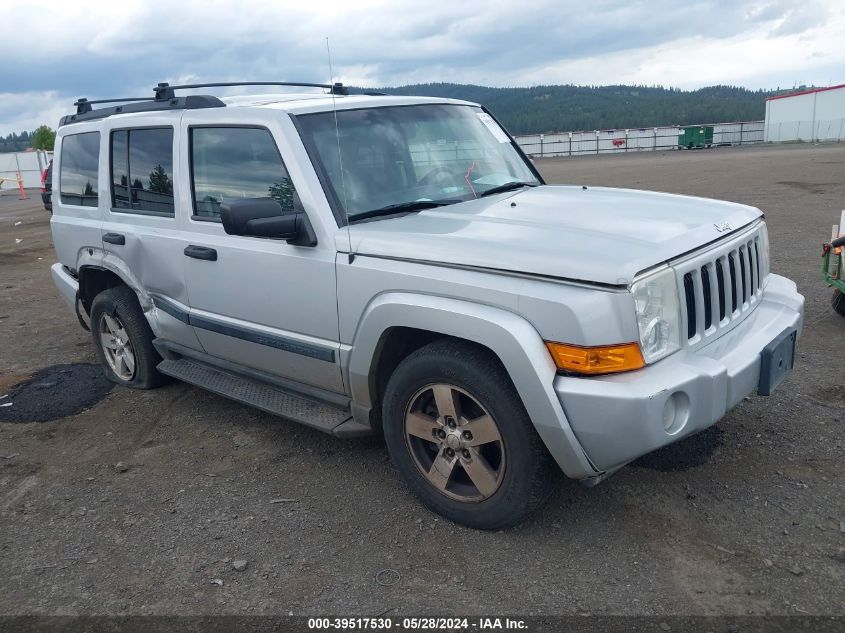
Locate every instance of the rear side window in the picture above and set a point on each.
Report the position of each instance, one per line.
(142, 171)
(236, 162)
(78, 174)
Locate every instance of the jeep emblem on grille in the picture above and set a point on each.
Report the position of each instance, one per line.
(722, 226)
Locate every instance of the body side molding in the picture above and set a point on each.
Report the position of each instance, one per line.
(318, 352)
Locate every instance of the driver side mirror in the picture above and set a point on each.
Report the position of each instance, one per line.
(264, 217)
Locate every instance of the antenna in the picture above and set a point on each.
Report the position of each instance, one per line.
(340, 155)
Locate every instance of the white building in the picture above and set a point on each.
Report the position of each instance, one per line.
(29, 164)
(810, 115)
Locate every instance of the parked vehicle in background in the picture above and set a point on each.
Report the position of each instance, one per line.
(382, 264)
(47, 187)
(833, 265)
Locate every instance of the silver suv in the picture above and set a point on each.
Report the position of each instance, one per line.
(375, 264)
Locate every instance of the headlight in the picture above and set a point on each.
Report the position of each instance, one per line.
(658, 314)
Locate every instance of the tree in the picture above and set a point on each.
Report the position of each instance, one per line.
(43, 138)
(282, 192)
(160, 182)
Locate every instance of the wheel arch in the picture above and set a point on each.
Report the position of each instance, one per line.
(395, 344)
(508, 336)
(98, 270)
(92, 281)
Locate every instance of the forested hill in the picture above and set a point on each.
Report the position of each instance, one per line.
(569, 108)
(15, 142)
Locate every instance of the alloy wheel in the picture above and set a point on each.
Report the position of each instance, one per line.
(117, 348)
(455, 443)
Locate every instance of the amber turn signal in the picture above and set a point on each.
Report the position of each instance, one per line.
(605, 359)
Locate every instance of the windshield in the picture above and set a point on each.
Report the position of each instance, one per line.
(410, 157)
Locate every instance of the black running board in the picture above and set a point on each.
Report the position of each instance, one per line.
(261, 395)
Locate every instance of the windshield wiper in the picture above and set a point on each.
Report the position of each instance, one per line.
(508, 186)
(401, 207)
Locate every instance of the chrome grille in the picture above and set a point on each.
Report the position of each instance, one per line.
(720, 286)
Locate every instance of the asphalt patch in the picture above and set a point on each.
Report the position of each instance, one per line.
(55, 392)
(687, 453)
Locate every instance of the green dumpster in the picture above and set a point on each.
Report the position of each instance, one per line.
(695, 136)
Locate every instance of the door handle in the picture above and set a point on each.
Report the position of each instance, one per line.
(201, 252)
(114, 238)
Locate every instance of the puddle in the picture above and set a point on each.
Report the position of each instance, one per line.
(55, 392)
(689, 452)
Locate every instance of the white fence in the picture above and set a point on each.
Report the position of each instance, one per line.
(30, 165)
(634, 139)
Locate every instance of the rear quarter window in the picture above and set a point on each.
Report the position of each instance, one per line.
(78, 175)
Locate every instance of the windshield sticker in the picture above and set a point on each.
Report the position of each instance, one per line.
(494, 128)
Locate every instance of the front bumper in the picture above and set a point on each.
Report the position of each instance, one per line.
(620, 417)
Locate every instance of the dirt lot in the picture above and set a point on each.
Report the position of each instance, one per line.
(745, 519)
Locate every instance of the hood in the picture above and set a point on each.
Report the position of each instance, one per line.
(594, 234)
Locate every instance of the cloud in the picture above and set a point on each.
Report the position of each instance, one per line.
(801, 18)
(95, 49)
(20, 111)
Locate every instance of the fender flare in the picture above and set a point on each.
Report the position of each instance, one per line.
(512, 338)
(98, 258)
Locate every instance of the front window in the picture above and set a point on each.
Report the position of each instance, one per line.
(396, 157)
(228, 163)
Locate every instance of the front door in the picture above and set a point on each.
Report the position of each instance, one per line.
(261, 303)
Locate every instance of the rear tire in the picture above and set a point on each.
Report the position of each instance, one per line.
(838, 302)
(461, 439)
(123, 339)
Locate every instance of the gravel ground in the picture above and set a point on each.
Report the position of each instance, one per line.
(143, 503)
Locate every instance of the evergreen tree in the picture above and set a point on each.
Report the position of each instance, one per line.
(160, 182)
(282, 192)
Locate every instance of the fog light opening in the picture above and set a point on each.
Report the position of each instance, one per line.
(675, 412)
(669, 410)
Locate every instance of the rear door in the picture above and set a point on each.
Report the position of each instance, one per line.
(261, 303)
(142, 234)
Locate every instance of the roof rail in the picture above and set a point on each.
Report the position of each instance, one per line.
(166, 91)
(86, 113)
(164, 98)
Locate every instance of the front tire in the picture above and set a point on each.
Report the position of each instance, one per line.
(838, 302)
(124, 340)
(460, 437)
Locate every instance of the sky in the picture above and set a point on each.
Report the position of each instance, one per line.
(53, 52)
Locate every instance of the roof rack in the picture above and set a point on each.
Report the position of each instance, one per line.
(165, 90)
(164, 98)
(83, 105)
